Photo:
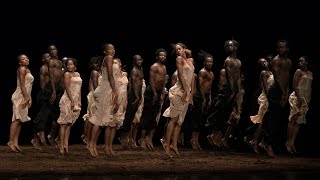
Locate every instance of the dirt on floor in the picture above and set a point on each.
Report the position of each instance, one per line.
(78, 161)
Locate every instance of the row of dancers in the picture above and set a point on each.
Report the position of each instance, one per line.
(124, 102)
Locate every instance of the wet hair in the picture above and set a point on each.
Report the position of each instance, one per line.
(203, 55)
(159, 51)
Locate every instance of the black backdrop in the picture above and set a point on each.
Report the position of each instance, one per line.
(79, 30)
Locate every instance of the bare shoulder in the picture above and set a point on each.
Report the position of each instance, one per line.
(77, 74)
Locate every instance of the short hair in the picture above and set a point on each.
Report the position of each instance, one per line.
(160, 50)
(70, 59)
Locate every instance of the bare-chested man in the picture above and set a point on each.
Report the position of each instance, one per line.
(44, 79)
(153, 98)
(229, 94)
(134, 98)
(201, 99)
(52, 91)
(277, 98)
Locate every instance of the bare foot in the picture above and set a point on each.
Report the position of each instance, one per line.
(162, 141)
(289, 148)
(13, 148)
(142, 144)
(107, 151)
(124, 142)
(42, 138)
(18, 148)
(193, 144)
(198, 146)
(62, 151)
(57, 140)
(293, 148)
(149, 144)
(270, 151)
(255, 148)
(210, 139)
(66, 148)
(132, 144)
(175, 149)
(51, 140)
(36, 144)
(95, 151)
(91, 150)
(84, 140)
(167, 150)
(225, 143)
(112, 152)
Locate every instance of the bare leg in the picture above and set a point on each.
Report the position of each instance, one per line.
(93, 140)
(256, 137)
(174, 145)
(193, 140)
(197, 141)
(42, 138)
(150, 138)
(112, 134)
(142, 141)
(13, 129)
(16, 137)
(169, 131)
(35, 141)
(66, 138)
(54, 126)
(133, 134)
(106, 147)
(62, 134)
(295, 132)
(290, 132)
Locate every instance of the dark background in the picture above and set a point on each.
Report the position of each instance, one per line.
(79, 30)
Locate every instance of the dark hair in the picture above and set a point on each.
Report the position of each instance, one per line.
(70, 59)
(203, 55)
(187, 51)
(104, 46)
(160, 50)
(19, 57)
(234, 41)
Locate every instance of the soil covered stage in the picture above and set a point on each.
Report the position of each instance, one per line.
(79, 162)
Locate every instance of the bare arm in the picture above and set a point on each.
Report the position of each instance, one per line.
(173, 79)
(66, 81)
(153, 72)
(52, 80)
(201, 76)
(276, 71)
(109, 62)
(263, 81)
(95, 78)
(22, 71)
(296, 79)
(43, 74)
(136, 83)
(222, 78)
(179, 63)
(228, 75)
